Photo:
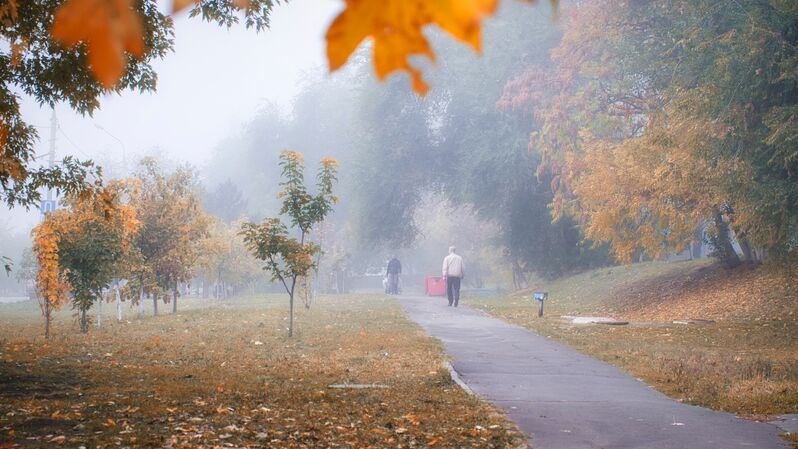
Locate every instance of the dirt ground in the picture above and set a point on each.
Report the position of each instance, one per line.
(743, 359)
(226, 375)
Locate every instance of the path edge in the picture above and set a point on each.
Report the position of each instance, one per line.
(456, 378)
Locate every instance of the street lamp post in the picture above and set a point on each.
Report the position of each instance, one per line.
(122, 144)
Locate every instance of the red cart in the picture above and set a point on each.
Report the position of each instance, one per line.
(435, 286)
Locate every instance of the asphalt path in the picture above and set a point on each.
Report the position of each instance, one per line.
(564, 399)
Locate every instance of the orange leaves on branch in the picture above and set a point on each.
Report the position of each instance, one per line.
(109, 28)
(396, 29)
(179, 5)
(51, 284)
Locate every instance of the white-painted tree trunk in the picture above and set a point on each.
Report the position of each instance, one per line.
(100, 310)
(141, 301)
(118, 304)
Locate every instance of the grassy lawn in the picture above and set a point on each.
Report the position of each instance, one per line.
(226, 375)
(744, 361)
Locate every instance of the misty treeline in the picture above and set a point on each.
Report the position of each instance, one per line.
(622, 131)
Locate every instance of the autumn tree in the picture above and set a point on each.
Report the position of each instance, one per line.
(79, 249)
(290, 258)
(76, 51)
(654, 122)
(173, 226)
(224, 260)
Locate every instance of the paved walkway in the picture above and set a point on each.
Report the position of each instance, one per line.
(566, 400)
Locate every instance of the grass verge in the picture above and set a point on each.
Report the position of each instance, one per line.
(226, 375)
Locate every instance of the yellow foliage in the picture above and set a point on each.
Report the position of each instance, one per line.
(395, 26)
(109, 28)
(652, 192)
(50, 282)
(105, 205)
(329, 162)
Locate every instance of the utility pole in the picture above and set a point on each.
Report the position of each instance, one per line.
(53, 129)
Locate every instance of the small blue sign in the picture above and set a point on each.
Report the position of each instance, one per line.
(540, 296)
(47, 206)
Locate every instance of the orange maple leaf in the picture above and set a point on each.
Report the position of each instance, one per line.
(109, 28)
(396, 28)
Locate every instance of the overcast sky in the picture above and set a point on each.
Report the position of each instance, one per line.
(214, 82)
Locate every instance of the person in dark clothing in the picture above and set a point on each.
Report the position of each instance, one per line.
(393, 271)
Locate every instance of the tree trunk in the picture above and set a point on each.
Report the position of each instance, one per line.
(745, 246)
(47, 317)
(154, 304)
(84, 321)
(519, 278)
(175, 294)
(141, 298)
(696, 244)
(291, 315)
(99, 310)
(118, 304)
(723, 244)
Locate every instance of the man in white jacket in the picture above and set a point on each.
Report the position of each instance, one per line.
(453, 271)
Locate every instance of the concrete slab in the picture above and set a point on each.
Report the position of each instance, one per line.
(566, 400)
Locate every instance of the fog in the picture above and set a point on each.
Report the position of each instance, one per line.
(213, 83)
(229, 100)
(594, 200)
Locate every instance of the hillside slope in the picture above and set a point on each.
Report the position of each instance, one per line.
(662, 291)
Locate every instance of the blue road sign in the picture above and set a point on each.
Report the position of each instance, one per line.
(47, 206)
(540, 296)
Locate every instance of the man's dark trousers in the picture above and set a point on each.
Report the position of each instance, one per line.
(453, 289)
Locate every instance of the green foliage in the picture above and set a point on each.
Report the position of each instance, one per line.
(286, 258)
(91, 239)
(37, 66)
(89, 257)
(226, 13)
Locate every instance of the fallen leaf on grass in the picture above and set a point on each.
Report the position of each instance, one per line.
(412, 419)
(223, 410)
(435, 440)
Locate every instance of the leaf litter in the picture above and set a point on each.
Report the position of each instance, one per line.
(158, 386)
